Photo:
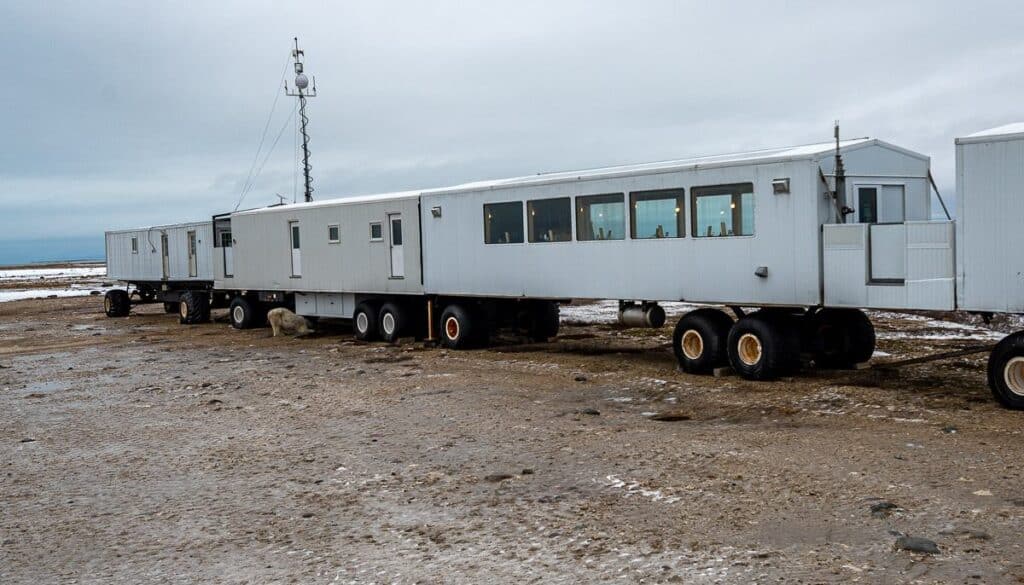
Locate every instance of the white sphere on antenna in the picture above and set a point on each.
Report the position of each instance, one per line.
(301, 81)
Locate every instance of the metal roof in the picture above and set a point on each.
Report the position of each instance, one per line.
(763, 156)
(1005, 132)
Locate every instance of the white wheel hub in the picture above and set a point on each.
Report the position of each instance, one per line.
(107, 304)
(692, 344)
(389, 323)
(1013, 375)
(238, 314)
(749, 349)
(183, 309)
(362, 322)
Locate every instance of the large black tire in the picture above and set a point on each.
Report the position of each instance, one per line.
(193, 308)
(459, 327)
(1006, 371)
(392, 321)
(544, 320)
(116, 303)
(170, 308)
(701, 341)
(764, 346)
(364, 321)
(840, 338)
(243, 313)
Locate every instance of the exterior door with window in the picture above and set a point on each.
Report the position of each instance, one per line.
(165, 255)
(397, 252)
(229, 253)
(293, 229)
(193, 261)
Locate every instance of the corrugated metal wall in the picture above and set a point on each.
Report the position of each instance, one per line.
(146, 265)
(262, 251)
(990, 225)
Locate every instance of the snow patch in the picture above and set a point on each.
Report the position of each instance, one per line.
(52, 273)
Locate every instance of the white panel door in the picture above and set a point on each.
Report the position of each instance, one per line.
(296, 248)
(165, 255)
(397, 251)
(229, 254)
(193, 260)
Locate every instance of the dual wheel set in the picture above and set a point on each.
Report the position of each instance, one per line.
(192, 306)
(772, 342)
(461, 325)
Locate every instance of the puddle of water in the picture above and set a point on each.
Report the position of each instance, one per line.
(46, 387)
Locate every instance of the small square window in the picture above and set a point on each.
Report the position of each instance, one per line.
(135, 245)
(333, 234)
(376, 231)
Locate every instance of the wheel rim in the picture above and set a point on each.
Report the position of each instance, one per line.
(389, 323)
(183, 309)
(1013, 375)
(749, 349)
(238, 314)
(692, 344)
(451, 328)
(362, 322)
(107, 304)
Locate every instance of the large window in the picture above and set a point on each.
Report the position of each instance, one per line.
(657, 214)
(503, 223)
(550, 220)
(723, 210)
(600, 217)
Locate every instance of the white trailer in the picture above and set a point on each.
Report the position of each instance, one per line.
(171, 264)
(795, 241)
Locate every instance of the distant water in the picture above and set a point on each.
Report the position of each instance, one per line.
(16, 252)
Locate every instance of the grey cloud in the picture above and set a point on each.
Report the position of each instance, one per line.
(129, 113)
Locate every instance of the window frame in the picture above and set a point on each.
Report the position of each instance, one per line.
(337, 238)
(737, 191)
(879, 189)
(522, 223)
(579, 215)
(380, 226)
(649, 195)
(135, 244)
(530, 215)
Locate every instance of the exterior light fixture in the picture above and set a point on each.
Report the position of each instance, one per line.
(780, 186)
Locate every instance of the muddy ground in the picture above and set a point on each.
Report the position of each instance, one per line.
(137, 450)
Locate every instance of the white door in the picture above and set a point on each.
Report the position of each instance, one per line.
(229, 254)
(296, 249)
(397, 255)
(165, 255)
(193, 262)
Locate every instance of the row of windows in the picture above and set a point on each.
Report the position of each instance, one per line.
(716, 211)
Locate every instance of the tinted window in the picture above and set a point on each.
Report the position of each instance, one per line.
(657, 214)
(376, 231)
(333, 233)
(550, 220)
(503, 223)
(396, 232)
(601, 217)
(723, 210)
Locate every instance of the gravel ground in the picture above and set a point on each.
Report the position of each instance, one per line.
(137, 450)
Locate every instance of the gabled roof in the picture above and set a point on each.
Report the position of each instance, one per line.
(1005, 132)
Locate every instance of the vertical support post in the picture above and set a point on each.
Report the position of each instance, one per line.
(430, 321)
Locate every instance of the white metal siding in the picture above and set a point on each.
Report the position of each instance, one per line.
(718, 269)
(146, 265)
(990, 225)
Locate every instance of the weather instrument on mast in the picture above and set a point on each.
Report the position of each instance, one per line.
(303, 91)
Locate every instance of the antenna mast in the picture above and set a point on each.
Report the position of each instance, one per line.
(302, 91)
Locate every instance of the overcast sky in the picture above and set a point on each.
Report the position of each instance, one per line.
(119, 114)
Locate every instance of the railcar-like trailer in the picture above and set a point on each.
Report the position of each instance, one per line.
(793, 243)
(169, 264)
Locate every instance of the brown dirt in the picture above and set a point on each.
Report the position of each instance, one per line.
(137, 450)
